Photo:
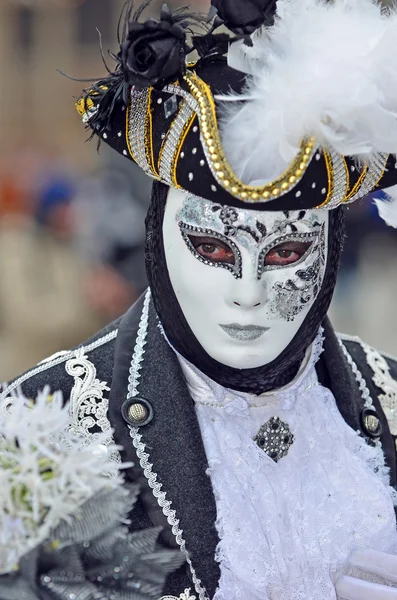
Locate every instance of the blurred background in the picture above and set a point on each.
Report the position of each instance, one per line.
(72, 220)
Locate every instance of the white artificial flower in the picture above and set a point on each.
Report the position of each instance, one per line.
(46, 472)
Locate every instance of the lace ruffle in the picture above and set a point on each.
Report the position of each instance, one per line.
(287, 529)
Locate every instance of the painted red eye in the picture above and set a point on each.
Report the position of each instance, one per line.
(213, 249)
(286, 253)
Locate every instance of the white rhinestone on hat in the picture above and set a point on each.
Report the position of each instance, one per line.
(374, 173)
(172, 142)
(191, 176)
(136, 128)
(340, 180)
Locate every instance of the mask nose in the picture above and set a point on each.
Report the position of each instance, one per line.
(255, 305)
(248, 294)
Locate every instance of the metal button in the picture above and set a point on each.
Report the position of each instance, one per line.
(371, 423)
(137, 412)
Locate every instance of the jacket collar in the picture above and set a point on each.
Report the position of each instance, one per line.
(172, 443)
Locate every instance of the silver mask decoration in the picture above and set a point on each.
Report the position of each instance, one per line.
(237, 227)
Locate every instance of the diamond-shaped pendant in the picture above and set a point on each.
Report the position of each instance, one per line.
(275, 438)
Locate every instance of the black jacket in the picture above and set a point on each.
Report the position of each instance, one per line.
(168, 453)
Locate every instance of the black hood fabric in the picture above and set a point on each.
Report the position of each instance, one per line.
(253, 381)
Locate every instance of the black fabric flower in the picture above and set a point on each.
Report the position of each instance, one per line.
(243, 17)
(154, 52)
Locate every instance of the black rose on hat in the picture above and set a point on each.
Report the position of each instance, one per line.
(154, 52)
(243, 17)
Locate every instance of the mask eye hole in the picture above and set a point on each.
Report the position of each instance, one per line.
(213, 249)
(286, 253)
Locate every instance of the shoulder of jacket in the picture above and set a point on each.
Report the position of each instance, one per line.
(381, 369)
(53, 371)
(356, 347)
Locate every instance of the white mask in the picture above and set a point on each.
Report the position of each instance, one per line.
(244, 279)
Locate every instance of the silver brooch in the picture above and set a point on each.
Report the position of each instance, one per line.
(275, 438)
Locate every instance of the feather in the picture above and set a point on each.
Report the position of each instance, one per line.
(387, 207)
(325, 69)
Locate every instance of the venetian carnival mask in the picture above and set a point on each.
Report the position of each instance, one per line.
(244, 279)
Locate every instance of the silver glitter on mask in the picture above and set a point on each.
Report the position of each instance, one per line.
(245, 334)
(259, 233)
(293, 295)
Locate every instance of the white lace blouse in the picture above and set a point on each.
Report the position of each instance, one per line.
(286, 529)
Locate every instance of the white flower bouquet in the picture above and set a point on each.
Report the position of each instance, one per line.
(63, 513)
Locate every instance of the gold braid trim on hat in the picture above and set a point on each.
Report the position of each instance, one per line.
(331, 184)
(185, 131)
(373, 173)
(149, 134)
(218, 163)
(199, 101)
(357, 186)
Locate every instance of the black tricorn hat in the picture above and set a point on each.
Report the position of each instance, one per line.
(192, 126)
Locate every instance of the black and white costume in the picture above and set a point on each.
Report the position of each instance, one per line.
(264, 442)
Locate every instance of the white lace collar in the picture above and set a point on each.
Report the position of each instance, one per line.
(207, 392)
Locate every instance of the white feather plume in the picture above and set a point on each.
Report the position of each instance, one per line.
(387, 208)
(326, 69)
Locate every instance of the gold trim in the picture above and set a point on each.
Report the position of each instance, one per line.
(83, 104)
(347, 180)
(86, 103)
(149, 135)
(163, 143)
(381, 175)
(375, 185)
(218, 163)
(178, 151)
(171, 147)
(357, 185)
(368, 183)
(127, 129)
(331, 182)
(331, 163)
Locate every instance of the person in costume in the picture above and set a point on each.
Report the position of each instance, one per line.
(265, 443)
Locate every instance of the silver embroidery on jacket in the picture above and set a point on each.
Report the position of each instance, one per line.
(88, 407)
(384, 381)
(144, 457)
(185, 596)
(365, 395)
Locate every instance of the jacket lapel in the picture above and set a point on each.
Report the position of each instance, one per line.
(172, 441)
(339, 379)
(342, 382)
